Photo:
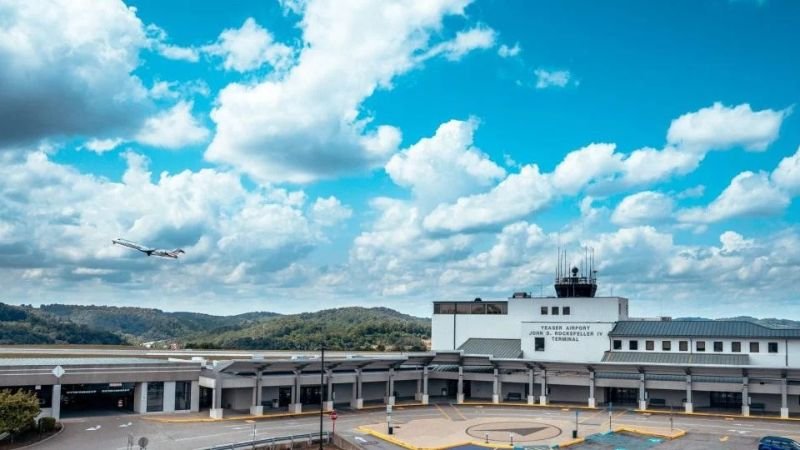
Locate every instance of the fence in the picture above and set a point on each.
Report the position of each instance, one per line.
(297, 439)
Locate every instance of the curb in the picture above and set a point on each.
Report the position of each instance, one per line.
(45, 439)
(718, 415)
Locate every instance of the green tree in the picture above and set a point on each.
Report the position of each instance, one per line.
(17, 410)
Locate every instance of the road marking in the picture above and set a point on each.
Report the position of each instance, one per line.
(94, 428)
(443, 413)
(125, 425)
(458, 412)
(723, 439)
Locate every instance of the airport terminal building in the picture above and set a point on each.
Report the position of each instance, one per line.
(573, 348)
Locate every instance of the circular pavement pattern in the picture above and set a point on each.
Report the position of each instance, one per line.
(522, 431)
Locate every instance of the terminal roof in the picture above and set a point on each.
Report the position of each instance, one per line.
(498, 348)
(700, 328)
(677, 358)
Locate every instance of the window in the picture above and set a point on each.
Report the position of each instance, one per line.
(701, 346)
(463, 308)
(155, 396)
(666, 346)
(772, 347)
(544, 310)
(754, 347)
(478, 308)
(565, 310)
(683, 346)
(497, 308)
(617, 344)
(718, 346)
(444, 308)
(183, 395)
(633, 345)
(554, 310)
(736, 347)
(538, 344)
(649, 345)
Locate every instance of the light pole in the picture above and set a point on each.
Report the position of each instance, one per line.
(321, 392)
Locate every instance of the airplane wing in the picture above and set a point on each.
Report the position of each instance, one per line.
(168, 253)
(133, 245)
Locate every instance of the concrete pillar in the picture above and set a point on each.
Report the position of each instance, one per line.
(543, 396)
(140, 398)
(296, 407)
(496, 387)
(745, 396)
(418, 393)
(256, 408)
(357, 402)
(530, 387)
(592, 401)
(169, 396)
(194, 400)
(328, 405)
(460, 393)
(216, 411)
(389, 399)
(642, 392)
(56, 402)
(688, 406)
(424, 398)
(784, 399)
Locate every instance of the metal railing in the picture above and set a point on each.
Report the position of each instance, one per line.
(308, 438)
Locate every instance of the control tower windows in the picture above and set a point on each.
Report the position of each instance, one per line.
(554, 310)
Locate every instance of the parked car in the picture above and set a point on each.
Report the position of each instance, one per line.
(777, 443)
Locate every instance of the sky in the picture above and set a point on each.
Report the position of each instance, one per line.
(316, 154)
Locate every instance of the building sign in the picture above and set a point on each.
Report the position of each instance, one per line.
(567, 332)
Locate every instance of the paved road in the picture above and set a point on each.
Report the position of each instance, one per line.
(110, 432)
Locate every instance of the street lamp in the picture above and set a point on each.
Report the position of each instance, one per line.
(321, 391)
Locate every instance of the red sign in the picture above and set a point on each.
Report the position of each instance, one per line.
(333, 415)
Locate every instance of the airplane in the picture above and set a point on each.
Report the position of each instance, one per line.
(149, 251)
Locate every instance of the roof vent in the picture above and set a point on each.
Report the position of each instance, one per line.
(478, 299)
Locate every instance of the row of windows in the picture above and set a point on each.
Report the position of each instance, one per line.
(470, 308)
(700, 346)
(554, 310)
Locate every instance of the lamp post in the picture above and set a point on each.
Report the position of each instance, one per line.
(321, 392)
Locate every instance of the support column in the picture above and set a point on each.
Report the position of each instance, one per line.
(460, 393)
(543, 396)
(530, 387)
(496, 387)
(745, 396)
(418, 393)
(389, 399)
(688, 406)
(216, 398)
(140, 398)
(296, 407)
(328, 405)
(56, 402)
(592, 401)
(194, 400)
(256, 408)
(642, 392)
(424, 385)
(784, 399)
(169, 396)
(357, 402)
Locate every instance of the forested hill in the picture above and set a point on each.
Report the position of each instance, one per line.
(355, 329)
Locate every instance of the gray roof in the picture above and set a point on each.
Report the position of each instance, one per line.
(676, 358)
(700, 328)
(85, 361)
(498, 348)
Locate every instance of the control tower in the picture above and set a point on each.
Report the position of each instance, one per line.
(576, 282)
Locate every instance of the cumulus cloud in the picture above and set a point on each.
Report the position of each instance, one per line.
(173, 128)
(587, 164)
(643, 208)
(509, 52)
(329, 211)
(308, 124)
(444, 166)
(67, 69)
(721, 127)
(551, 78)
(478, 38)
(101, 146)
(787, 175)
(250, 47)
(748, 194)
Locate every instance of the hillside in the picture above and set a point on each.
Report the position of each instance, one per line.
(355, 328)
(18, 325)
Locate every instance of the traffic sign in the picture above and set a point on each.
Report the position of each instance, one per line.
(333, 415)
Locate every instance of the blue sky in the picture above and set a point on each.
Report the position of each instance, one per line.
(395, 153)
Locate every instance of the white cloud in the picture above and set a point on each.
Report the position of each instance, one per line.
(307, 124)
(587, 164)
(748, 194)
(787, 174)
(445, 166)
(101, 146)
(509, 52)
(177, 53)
(517, 196)
(720, 127)
(67, 69)
(250, 47)
(329, 211)
(551, 78)
(645, 207)
(733, 242)
(478, 38)
(173, 128)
